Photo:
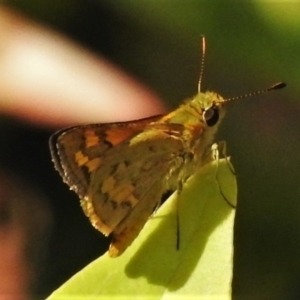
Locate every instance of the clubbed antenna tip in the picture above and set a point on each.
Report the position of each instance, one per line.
(277, 86)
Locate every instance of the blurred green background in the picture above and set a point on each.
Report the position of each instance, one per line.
(250, 45)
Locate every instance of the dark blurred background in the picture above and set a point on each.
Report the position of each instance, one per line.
(250, 45)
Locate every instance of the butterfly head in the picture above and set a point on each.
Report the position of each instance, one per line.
(211, 106)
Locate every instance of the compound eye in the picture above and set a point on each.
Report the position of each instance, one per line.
(211, 116)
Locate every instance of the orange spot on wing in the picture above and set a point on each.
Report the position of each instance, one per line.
(121, 192)
(80, 158)
(91, 139)
(118, 135)
(133, 201)
(93, 164)
(108, 184)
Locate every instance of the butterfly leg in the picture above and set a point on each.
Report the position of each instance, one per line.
(215, 152)
(222, 149)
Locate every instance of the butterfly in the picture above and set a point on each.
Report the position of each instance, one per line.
(121, 171)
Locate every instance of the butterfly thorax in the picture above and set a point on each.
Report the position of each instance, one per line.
(190, 127)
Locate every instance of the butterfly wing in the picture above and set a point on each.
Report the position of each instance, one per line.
(76, 150)
(125, 192)
(120, 172)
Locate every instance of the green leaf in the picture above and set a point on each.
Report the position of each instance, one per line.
(152, 267)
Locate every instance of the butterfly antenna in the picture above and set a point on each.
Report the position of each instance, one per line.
(202, 62)
(277, 86)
